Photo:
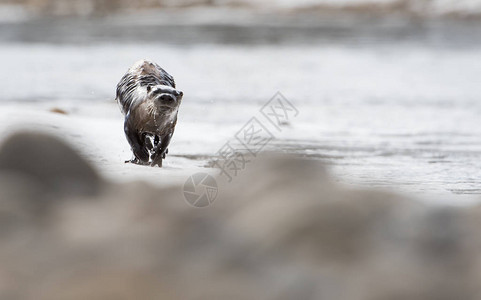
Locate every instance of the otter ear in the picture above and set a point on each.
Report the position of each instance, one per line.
(149, 88)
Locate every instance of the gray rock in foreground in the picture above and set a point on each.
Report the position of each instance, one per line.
(281, 230)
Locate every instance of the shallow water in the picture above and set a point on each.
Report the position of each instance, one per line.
(381, 109)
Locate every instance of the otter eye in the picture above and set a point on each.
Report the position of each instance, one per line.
(149, 88)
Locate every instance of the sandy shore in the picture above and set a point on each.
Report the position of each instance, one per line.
(96, 131)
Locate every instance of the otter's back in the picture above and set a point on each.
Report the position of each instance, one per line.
(133, 86)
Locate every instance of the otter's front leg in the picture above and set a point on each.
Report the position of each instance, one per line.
(140, 152)
(160, 150)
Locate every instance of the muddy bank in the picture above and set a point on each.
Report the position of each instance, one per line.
(281, 230)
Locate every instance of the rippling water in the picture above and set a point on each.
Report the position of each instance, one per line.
(385, 103)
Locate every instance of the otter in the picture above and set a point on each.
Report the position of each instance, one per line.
(149, 100)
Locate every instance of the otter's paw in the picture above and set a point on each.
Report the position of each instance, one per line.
(136, 161)
(157, 162)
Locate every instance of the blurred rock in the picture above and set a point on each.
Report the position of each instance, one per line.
(281, 230)
(50, 163)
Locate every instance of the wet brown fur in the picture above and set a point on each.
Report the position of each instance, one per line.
(148, 99)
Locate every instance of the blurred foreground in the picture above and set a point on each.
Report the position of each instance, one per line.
(282, 230)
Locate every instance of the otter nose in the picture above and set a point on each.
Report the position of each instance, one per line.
(178, 93)
(167, 98)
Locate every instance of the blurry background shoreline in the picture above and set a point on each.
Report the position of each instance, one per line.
(411, 8)
(310, 22)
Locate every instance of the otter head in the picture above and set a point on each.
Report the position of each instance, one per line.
(165, 96)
